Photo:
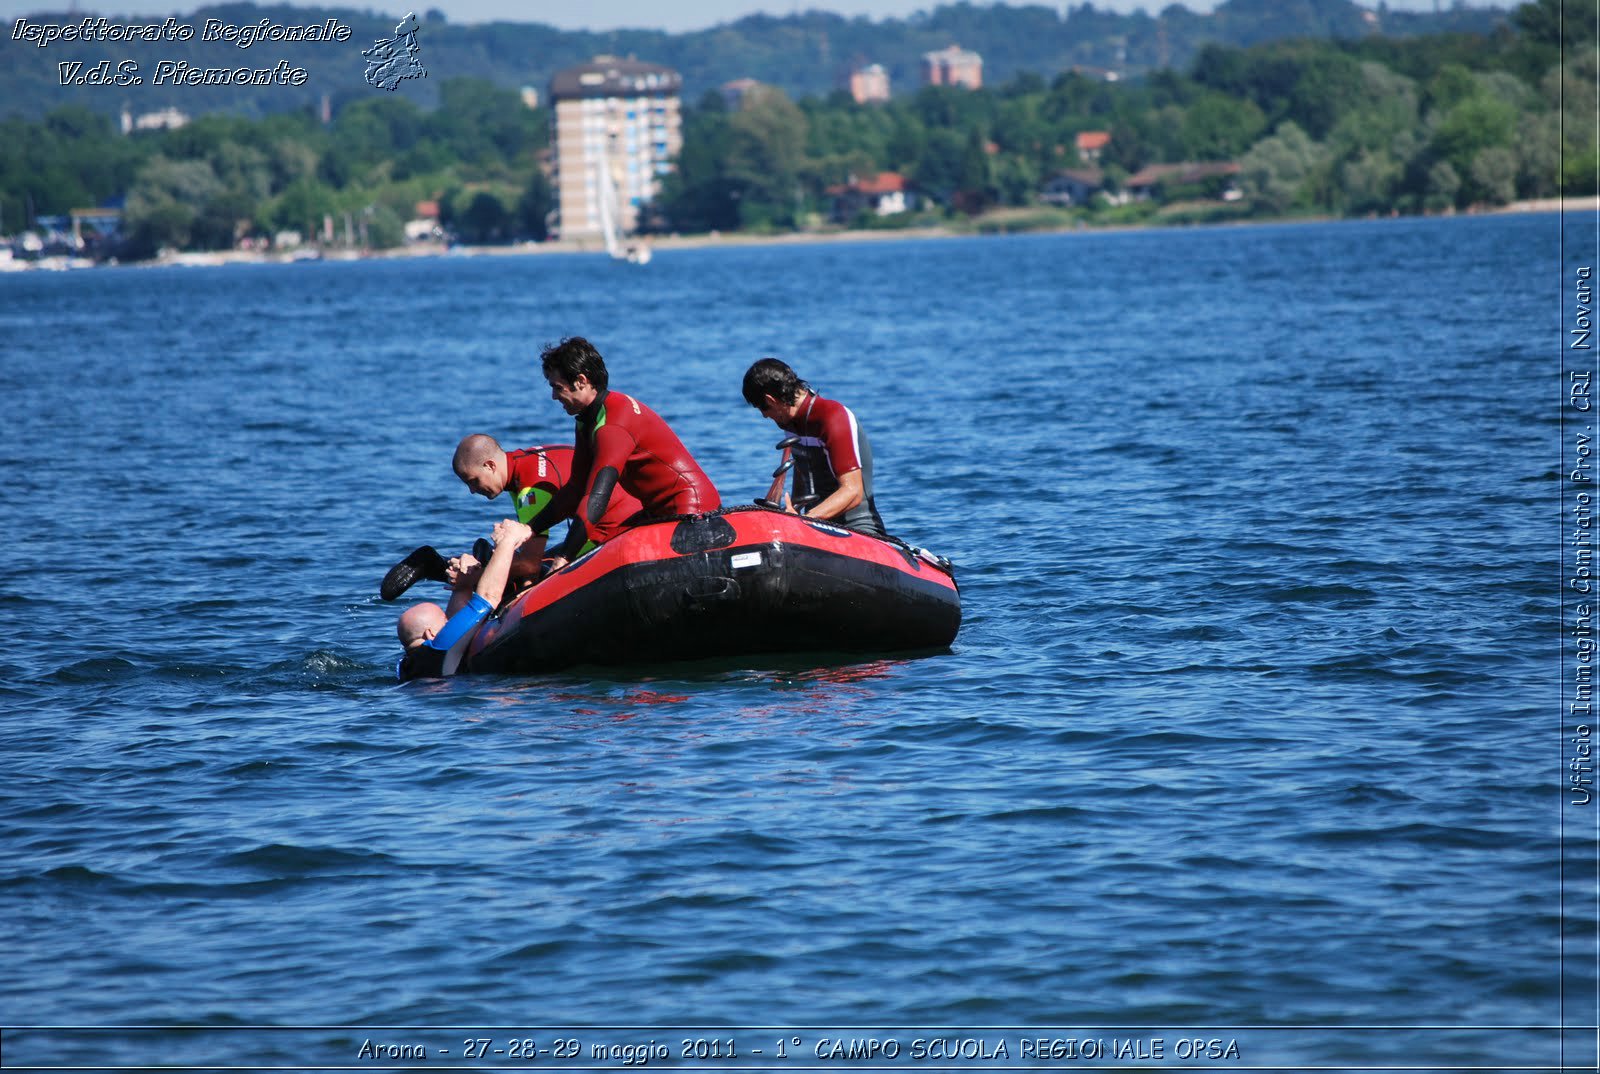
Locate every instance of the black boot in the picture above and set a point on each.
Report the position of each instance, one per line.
(423, 563)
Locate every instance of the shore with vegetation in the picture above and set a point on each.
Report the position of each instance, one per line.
(998, 223)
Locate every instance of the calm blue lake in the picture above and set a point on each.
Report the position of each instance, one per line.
(1252, 730)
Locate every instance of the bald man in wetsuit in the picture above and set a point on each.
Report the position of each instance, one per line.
(533, 476)
(621, 445)
(435, 639)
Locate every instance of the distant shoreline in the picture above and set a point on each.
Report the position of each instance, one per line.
(715, 240)
(732, 239)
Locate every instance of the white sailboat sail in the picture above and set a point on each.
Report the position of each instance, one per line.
(608, 209)
(637, 253)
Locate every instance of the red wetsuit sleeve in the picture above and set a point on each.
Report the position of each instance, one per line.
(836, 428)
(623, 506)
(614, 445)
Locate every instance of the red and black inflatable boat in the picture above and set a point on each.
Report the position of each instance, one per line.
(742, 580)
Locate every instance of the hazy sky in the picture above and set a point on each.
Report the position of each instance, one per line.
(611, 14)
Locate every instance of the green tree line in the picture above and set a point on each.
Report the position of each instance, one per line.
(220, 178)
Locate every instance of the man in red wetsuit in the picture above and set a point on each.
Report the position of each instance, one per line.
(833, 460)
(622, 446)
(534, 476)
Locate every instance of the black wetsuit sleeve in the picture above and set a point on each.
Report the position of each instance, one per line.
(572, 544)
(605, 483)
(420, 663)
(612, 445)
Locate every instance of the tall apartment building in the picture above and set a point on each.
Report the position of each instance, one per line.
(870, 83)
(618, 124)
(953, 66)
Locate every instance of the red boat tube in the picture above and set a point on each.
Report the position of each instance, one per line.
(742, 580)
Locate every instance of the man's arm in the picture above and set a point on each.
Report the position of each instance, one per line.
(468, 577)
(525, 564)
(564, 504)
(839, 439)
(474, 607)
(569, 549)
(847, 495)
(612, 446)
(508, 536)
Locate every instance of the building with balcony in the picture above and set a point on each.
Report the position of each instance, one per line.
(618, 124)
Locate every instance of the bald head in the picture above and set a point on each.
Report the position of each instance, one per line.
(473, 450)
(419, 624)
(481, 465)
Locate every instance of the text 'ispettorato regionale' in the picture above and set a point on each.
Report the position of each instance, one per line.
(177, 72)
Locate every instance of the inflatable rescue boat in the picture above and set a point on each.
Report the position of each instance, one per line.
(742, 580)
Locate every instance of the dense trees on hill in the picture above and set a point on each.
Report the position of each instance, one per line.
(804, 54)
(1359, 126)
(1364, 125)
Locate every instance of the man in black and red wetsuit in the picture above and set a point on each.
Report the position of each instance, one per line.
(622, 446)
(534, 476)
(833, 460)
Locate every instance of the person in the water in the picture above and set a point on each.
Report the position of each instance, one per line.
(434, 638)
(833, 459)
(533, 476)
(621, 444)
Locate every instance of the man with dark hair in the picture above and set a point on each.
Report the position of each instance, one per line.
(620, 444)
(534, 476)
(570, 359)
(833, 460)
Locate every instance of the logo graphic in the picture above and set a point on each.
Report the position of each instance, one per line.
(393, 61)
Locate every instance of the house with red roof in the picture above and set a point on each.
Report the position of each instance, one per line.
(1213, 179)
(883, 194)
(1091, 144)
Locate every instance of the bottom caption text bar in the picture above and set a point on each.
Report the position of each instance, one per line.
(808, 1048)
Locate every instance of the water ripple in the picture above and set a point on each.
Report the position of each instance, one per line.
(1244, 724)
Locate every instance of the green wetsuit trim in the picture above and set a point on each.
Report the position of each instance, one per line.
(529, 503)
(599, 422)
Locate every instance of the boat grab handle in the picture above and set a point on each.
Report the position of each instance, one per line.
(705, 591)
